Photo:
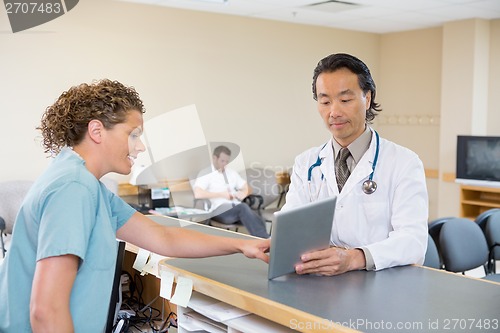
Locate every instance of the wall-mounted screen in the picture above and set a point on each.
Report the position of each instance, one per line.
(478, 158)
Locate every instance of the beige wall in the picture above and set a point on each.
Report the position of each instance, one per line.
(493, 127)
(250, 78)
(410, 93)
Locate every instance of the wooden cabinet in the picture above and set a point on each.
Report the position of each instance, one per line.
(475, 200)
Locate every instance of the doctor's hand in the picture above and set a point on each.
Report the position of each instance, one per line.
(331, 261)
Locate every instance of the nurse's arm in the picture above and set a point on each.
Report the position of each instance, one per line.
(50, 295)
(181, 242)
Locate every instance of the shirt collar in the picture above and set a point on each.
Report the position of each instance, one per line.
(69, 153)
(358, 147)
(217, 170)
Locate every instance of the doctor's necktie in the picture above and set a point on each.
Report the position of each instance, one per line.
(341, 170)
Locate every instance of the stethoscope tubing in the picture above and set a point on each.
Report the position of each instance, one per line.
(375, 159)
(370, 178)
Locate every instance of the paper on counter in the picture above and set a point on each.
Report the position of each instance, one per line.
(222, 311)
(152, 266)
(188, 323)
(183, 291)
(141, 259)
(167, 282)
(215, 310)
(199, 321)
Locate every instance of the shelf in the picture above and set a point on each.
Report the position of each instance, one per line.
(198, 318)
(481, 203)
(475, 200)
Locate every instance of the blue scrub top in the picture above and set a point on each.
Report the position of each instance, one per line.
(67, 211)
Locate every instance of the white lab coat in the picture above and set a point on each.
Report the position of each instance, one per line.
(392, 222)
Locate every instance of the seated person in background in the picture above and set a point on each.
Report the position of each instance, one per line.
(226, 189)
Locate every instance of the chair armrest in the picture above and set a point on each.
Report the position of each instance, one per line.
(205, 203)
(255, 201)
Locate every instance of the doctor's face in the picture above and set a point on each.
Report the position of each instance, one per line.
(342, 104)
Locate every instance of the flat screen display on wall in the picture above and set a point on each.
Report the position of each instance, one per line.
(478, 158)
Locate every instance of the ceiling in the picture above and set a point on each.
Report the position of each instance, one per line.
(376, 16)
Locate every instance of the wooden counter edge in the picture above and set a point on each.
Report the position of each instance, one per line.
(458, 274)
(265, 308)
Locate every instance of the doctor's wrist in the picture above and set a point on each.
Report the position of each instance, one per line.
(370, 264)
(357, 259)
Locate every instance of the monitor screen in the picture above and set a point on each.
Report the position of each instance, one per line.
(478, 158)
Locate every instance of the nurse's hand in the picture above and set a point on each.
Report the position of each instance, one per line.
(256, 248)
(331, 261)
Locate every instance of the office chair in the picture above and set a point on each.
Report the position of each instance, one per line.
(432, 258)
(2, 230)
(205, 205)
(267, 192)
(12, 194)
(434, 227)
(254, 201)
(463, 247)
(482, 218)
(491, 229)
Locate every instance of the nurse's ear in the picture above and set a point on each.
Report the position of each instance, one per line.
(95, 130)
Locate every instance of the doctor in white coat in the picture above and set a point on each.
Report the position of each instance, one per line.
(382, 210)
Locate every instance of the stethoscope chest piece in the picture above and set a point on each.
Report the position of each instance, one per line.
(369, 186)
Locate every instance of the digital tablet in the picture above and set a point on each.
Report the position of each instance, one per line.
(297, 231)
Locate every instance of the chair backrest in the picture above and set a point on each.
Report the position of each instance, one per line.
(492, 234)
(432, 255)
(263, 182)
(435, 228)
(462, 245)
(482, 218)
(12, 194)
(204, 204)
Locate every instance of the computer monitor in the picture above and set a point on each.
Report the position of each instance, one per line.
(115, 302)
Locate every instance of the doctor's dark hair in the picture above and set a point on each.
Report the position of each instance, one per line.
(337, 61)
(66, 121)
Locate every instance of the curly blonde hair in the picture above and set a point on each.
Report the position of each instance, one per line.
(65, 122)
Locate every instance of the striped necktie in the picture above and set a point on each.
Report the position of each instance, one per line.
(341, 170)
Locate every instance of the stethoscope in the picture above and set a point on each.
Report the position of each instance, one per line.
(369, 186)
